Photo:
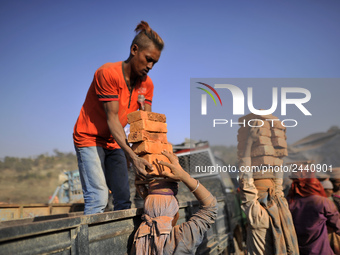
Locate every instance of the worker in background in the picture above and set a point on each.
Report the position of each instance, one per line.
(99, 138)
(270, 229)
(158, 233)
(333, 237)
(335, 179)
(312, 212)
(328, 187)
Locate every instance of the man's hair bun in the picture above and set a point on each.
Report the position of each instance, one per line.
(145, 34)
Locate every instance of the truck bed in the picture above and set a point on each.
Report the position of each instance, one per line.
(105, 233)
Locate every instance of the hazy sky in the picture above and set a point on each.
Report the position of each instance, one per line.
(51, 49)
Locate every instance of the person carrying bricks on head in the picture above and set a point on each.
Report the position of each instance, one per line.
(158, 233)
(100, 141)
(270, 228)
(313, 214)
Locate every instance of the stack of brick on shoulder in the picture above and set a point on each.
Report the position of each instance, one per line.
(148, 136)
(271, 145)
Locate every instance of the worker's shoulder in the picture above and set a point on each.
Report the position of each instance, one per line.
(112, 69)
(318, 201)
(146, 80)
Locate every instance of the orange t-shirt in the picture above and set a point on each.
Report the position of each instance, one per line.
(108, 84)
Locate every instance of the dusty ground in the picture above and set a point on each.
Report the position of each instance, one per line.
(26, 189)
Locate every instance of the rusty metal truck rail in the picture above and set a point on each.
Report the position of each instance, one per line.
(105, 233)
(21, 211)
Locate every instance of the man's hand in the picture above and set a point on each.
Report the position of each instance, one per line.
(177, 172)
(140, 166)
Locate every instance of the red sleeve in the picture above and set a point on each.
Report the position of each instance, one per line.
(107, 88)
(149, 92)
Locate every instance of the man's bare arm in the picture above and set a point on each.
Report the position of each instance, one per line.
(111, 109)
(147, 107)
(179, 174)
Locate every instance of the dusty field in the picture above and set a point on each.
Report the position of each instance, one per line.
(27, 189)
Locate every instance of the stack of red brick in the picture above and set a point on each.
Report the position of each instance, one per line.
(271, 145)
(148, 136)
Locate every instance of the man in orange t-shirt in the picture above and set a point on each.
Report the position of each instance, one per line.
(99, 137)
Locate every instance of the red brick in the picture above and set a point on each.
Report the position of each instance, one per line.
(281, 152)
(277, 124)
(278, 162)
(157, 168)
(263, 160)
(279, 143)
(144, 115)
(263, 150)
(278, 133)
(150, 147)
(148, 125)
(266, 160)
(273, 121)
(243, 133)
(263, 140)
(143, 135)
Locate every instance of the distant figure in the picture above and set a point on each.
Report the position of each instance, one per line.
(335, 179)
(328, 187)
(270, 229)
(158, 233)
(312, 212)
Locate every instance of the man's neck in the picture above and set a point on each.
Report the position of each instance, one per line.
(129, 76)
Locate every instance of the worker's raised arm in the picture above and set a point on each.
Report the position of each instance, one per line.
(111, 109)
(179, 174)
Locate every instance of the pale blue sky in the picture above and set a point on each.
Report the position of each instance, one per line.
(50, 50)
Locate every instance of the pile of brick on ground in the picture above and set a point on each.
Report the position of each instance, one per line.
(148, 136)
(271, 145)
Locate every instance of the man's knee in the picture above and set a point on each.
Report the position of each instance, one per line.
(95, 202)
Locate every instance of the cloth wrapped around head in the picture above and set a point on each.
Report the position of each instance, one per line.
(160, 208)
(264, 187)
(305, 184)
(306, 187)
(163, 187)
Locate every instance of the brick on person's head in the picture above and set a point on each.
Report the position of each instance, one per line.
(244, 132)
(263, 150)
(279, 142)
(262, 160)
(281, 152)
(144, 135)
(145, 115)
(148, 125)
(154, 159)
(278, 133)
(150, 147)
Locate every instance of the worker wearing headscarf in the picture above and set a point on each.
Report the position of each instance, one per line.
(312, 212)
(158, 234)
